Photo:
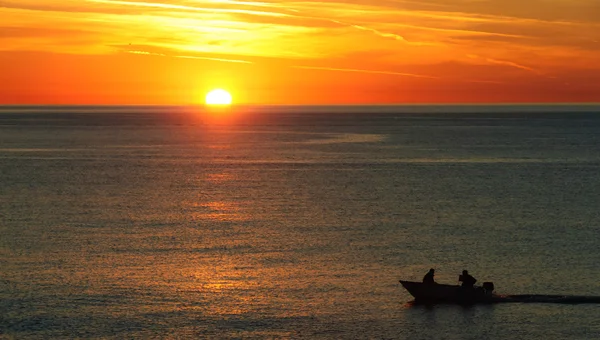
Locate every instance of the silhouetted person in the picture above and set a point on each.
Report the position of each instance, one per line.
(428, 278)
(467, 280)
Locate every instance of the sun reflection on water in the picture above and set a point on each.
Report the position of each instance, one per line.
(218, 211)
(219, 178)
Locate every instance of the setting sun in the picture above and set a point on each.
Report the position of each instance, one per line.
(218, 97)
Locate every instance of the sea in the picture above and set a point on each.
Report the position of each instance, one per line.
(296, 222)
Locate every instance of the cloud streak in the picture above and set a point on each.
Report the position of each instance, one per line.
(365, 71)
(185, 8)
(237, 61)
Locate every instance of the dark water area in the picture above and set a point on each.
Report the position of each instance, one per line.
(296, 222)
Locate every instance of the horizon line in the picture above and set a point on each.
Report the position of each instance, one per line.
(314, 105)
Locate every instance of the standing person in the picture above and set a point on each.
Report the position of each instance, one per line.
(467, 280)
(428, 278)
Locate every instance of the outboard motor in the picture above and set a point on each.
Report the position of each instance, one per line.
(488, 288)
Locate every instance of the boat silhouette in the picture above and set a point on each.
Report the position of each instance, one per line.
(445, 293)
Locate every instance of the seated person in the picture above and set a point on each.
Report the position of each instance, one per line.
(467, 280)
(428, 278)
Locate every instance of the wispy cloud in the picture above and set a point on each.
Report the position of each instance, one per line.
(393, 36)
(215, 59)
(503, 62)
(191, 8)
(146, 53)
(365, 71)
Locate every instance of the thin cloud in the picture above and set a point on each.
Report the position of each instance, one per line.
(513, 64)
(394, 36)
(226, 60)
(146, 53)
(188, 8)
(482, 81)
(364, 71)
(215, 59)
(505, 63)
(243, 3)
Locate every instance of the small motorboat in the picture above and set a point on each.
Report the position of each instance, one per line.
(443, 293)
(436, 292)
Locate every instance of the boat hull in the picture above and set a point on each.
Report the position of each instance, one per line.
(434, 292)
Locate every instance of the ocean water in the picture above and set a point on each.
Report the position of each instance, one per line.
(295, 222)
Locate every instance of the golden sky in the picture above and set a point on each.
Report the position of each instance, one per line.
(299, 52)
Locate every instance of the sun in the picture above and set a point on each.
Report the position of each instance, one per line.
(218, 97)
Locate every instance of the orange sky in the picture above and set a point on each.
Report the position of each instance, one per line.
(299, 52)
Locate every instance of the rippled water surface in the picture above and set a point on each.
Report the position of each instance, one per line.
(290, 223)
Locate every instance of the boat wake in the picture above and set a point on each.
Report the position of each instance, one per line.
(540, 298)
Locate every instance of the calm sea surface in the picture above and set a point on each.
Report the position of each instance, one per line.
(148, 222)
